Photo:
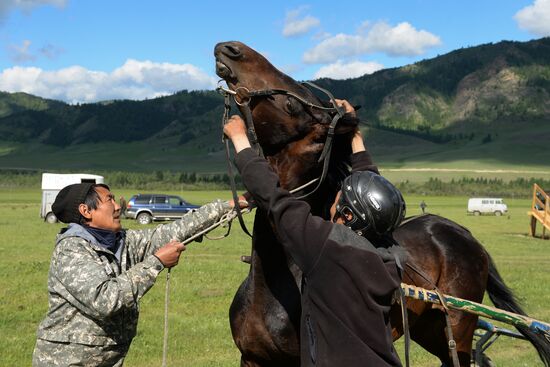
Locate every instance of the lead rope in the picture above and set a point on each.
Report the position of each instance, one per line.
(226, 218)
(166, 301)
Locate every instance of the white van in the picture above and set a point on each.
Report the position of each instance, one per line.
(478, 206)
(52, 183)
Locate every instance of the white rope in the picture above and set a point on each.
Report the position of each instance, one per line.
(304, 185)
(166, 301)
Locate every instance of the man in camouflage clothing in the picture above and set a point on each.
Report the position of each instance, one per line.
(99, 272)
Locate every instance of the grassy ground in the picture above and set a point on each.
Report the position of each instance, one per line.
(204, 283)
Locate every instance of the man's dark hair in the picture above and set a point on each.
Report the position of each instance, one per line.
(92, 200)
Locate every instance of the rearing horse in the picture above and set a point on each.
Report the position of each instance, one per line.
(292, 129)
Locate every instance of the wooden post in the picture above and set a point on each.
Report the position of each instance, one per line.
(545, 216)
(533, 208)
(533, 225)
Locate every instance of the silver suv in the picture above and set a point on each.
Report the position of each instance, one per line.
(148, 207)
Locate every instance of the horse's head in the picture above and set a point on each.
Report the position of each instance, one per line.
(290, 121)
(285, 112)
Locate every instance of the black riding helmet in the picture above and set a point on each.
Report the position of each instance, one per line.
(375, 204)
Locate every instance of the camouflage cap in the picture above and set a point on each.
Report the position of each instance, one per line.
(65, 206)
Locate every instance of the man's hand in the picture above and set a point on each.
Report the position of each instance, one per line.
(357, 144)
(235, 130)
(169, 254)
(243, 203)
(348, 108)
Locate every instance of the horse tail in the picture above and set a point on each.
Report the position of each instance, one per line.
(503, 298)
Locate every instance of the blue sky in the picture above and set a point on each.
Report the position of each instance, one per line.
(91, 50)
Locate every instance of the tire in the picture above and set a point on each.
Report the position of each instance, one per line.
(144, 218)
(51, 218)
(477, 214)
(485, 360)
(498, 213)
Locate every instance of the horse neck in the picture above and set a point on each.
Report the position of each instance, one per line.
(269, 263)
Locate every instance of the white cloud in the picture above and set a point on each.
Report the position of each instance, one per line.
(535, 18)
(295, 25)
(341, 70)
(401, 40)
(20, 54)
(7, 6)
(50, 51)
(133, 80)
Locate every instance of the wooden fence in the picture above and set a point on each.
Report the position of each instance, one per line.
(540, 210)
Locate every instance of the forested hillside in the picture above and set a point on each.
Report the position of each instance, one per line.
(187, 114)
(457, 92)
(491, 100)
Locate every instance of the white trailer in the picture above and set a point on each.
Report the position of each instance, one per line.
(52, 183)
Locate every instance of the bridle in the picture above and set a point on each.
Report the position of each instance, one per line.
(243, 96)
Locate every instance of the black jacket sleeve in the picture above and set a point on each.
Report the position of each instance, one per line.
(302, 234)
(362, 161)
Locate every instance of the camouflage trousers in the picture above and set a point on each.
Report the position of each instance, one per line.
(48, 353)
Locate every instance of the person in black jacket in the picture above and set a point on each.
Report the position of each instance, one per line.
(348, 284)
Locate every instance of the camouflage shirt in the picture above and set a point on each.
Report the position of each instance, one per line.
(93, 296)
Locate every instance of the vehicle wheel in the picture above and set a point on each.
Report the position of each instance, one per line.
(485, 360)
(144, 218)
(498, 213)
(476, 213)
(51, 218)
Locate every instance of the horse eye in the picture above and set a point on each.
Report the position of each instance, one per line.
(292, 106)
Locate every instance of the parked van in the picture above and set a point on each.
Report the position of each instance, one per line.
(52, 183)
(478, 206)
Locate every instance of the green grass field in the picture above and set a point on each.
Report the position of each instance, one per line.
(204, 283)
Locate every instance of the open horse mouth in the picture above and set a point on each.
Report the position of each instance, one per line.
(222, 70)
(224, 52)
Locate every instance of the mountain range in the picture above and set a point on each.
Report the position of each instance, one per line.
(484, 103)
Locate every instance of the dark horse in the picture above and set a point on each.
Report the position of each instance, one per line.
(265, 313)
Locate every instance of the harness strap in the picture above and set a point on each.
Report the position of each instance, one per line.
(326, 162)
(448, 328)
(449, 331)
(251, 131)
(406, 331)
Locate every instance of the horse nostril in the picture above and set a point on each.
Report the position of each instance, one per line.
(232, 51)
